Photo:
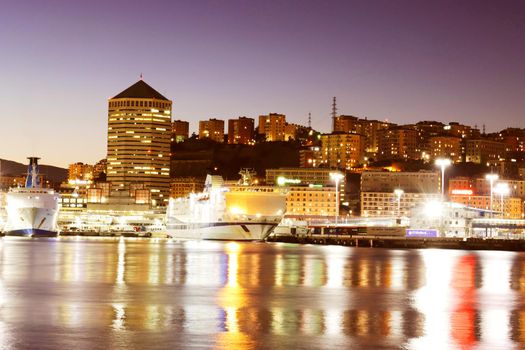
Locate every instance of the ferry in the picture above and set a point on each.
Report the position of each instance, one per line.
(32, 210)
(242, 213)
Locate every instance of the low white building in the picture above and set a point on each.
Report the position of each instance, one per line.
(447, 218)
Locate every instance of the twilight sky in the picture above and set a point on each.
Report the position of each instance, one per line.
(403, 60)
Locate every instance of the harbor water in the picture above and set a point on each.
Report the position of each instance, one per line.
(105, 293)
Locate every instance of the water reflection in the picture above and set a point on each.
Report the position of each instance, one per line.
(155, 293)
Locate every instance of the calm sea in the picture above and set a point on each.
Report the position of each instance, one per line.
(72, 293)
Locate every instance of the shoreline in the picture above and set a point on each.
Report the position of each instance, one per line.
(515, 245)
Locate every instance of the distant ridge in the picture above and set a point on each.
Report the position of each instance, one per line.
(53, 173)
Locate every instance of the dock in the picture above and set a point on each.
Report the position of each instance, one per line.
(403, 242)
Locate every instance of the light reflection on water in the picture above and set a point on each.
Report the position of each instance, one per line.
(128, 293)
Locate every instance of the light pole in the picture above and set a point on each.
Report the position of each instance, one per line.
(502, 188)
(491, 178)
(443, 163)
(398, 192)
(336, 177)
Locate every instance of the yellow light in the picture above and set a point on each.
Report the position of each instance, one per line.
(237, 210)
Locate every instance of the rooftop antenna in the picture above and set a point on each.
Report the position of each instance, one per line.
(309, 120)
(483, 129)
(334, 113)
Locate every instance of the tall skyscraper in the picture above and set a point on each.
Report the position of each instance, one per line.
(139, 132)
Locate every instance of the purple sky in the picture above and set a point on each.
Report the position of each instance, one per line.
(403, 60)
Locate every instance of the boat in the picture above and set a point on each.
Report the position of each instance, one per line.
(32, 210)
(241, 212)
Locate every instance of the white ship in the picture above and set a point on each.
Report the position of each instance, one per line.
(243, 212)
(32, 210)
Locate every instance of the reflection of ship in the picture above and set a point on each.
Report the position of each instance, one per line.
(242, 212)
(32, 210)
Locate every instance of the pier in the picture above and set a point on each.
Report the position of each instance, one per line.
(403, 242)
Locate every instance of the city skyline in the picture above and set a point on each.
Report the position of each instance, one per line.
(404, 61)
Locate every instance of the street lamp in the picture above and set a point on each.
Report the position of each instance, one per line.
(336, 177)
(491, 178)
(502, 188)
(443, 163)
(398, 193)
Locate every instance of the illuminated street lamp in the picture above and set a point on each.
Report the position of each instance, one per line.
(398, 192)
(502, 188)
(491, 178)
(336, 176)
(443, 163)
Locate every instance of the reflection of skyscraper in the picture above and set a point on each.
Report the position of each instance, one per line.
(139, 133)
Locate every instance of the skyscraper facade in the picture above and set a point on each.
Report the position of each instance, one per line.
(139, 133)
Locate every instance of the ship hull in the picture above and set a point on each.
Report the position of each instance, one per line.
(232, 231)
(32, 232)
(31, 219)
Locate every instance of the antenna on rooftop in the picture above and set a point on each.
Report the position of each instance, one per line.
(334, 113)
(483, 129)
(309, 120)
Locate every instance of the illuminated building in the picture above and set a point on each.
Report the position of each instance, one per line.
(139, 137)
(317, 176)
(481, 186)
(342, 151)
(385, 203)
(72, 200)
(80, 171)
(291, 131)
(346, 124)
(378, 188)
(445, 147)
(180, 130)
(482, 151)
(513, 138)
(367, 128)
(272, 126)
(310, 201)
(212, 129)
(387, 181)
(370, 130)
(460, 130)
(99, 168)
(7, 181)
(476, 193)
(398, 143)
(181, 187)
(426, 130)
(512, 206)
(305, 177)
(461, 183)
(310, 157)
(241, 130)
(99, 192)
